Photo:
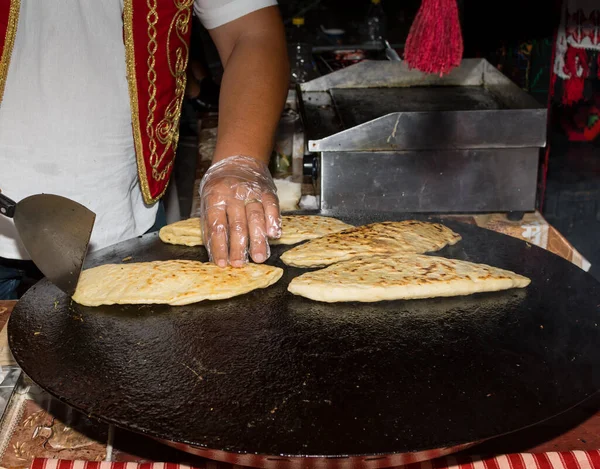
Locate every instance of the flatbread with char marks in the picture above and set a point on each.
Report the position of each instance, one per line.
(175, 282)
(294, 229)
(402, 277)
(409, 236)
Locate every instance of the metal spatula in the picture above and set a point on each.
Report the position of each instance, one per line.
(56, 232)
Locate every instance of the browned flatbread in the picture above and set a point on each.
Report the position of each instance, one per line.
(175, 282)
(410, 236)
(295, 228)
(186, 232)
(402, 276)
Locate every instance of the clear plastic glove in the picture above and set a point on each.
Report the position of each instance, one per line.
(239, 211)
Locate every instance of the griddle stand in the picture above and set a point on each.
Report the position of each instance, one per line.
(379, 136)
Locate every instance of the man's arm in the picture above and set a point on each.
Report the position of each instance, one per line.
(239, 205)
(255, 83)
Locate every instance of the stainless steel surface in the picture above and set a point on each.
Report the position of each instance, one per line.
(56, 232)
(475, 106)
(429, 181)
(371, 103)
(374, 74)
(390, 53)
(378, 126)
(430, 130)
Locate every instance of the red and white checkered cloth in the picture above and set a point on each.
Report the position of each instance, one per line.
(551, 460)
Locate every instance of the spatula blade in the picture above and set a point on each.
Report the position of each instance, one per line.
(56, 233)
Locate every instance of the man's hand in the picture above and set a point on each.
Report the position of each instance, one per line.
(239, 204)
(239, 210)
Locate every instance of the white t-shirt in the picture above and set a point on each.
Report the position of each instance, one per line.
(65, 120)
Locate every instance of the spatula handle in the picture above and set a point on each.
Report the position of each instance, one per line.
(7, 206)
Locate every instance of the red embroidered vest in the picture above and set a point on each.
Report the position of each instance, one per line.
(156, 35)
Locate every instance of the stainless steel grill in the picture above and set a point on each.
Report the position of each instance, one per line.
(383, 137)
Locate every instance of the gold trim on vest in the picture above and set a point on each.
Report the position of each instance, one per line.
(156, 137)
(9, 42)
(133, 97)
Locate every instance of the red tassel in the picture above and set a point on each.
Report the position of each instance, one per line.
(576, 66)
(434, 43)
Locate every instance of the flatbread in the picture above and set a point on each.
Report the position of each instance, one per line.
(402, 277)
(298, 228)
(174, 282)
(409, 236)
(186, 232)
(295, 228)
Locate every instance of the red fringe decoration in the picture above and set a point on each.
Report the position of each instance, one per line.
(434, 43)
(576, 59)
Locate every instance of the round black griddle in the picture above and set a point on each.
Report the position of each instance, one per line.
(274, 374)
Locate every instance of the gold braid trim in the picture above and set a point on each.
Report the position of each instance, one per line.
(133, 100)
(9, 42)
(166, 131)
